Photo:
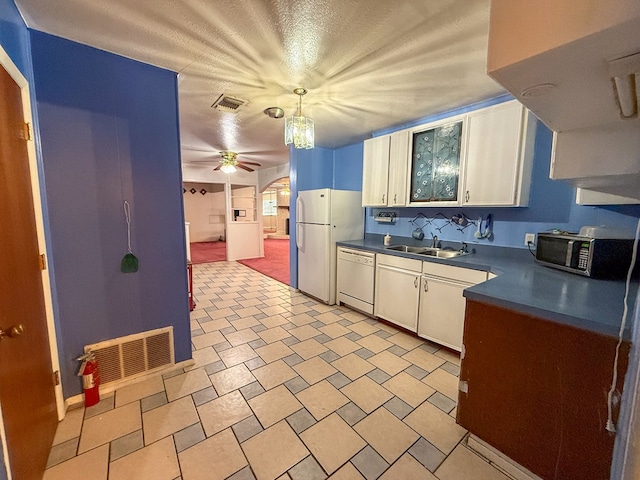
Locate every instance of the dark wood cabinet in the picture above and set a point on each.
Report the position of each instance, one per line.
(537, 390)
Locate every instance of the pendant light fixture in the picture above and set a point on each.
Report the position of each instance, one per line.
(298, 129)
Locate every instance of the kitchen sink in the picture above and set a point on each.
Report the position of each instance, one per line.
(450, 253)
(408, 249)
(427, 251)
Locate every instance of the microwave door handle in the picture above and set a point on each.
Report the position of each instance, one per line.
(567, 260)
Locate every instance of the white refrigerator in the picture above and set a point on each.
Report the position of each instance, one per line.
(324, 217)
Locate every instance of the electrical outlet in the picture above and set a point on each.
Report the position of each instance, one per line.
(529, 238)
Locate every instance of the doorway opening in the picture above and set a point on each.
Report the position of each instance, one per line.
(275, 230)
(275, 209)
(205, 216)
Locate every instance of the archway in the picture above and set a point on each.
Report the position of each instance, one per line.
(275, 209)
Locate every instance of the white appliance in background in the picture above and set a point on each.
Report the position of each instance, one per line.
(356, 276)
(324, 217)
(188, 239)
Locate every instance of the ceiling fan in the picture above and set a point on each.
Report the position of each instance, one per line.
(229, 163)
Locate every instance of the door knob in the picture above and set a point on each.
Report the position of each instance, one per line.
(12, 332)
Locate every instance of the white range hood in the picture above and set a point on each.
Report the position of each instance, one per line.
(560, 59)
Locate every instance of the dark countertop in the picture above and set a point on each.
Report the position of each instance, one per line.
(527, 287)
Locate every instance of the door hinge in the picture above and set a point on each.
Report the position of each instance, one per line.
(463, 386)
(42, 262)
(56, 377)
(27, 131)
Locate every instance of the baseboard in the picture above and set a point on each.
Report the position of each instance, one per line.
(77, 401)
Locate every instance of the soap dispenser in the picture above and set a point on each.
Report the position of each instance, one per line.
(387, 240)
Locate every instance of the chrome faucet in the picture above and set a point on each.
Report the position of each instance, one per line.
(435, 241)
(464, 248)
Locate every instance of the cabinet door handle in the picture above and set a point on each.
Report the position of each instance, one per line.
(394, 198)
(426, 285)
(415, 282)
(466, 196)
(383, 195)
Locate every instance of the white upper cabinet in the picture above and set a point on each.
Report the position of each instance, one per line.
(555, 56)
(564, 73)
(398, 164)
(590, 197)
(602, 158)
(384, 176)
(499, 156)
(375, 172)
(481, 158)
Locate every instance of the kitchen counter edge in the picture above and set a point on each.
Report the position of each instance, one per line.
(527, 287)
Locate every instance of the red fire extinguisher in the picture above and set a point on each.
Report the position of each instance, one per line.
(90, 378)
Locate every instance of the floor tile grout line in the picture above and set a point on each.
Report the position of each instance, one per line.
(338, 312)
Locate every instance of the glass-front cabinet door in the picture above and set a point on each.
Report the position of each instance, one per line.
(435, 167)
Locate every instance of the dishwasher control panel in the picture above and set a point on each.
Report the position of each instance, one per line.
(357, 257)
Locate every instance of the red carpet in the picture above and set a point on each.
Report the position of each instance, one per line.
(275, 263)
(207, 252)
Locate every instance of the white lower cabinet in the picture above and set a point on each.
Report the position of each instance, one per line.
(441, 313)
(442, 305)
(397, 290)
(424, 297)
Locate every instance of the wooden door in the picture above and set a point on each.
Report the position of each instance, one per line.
(26, 381)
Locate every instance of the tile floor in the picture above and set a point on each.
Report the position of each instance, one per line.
(283, 387)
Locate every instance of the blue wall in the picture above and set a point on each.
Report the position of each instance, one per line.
(14, 38)
(551, 205)
(314, 168)
(347, 167)
(109, 133)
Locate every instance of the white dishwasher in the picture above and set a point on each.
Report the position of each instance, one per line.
(356, 274)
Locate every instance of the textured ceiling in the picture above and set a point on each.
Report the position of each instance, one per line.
(367, 64)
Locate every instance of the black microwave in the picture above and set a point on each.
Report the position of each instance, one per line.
(592, 257)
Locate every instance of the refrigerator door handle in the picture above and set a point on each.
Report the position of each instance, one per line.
(299, 216)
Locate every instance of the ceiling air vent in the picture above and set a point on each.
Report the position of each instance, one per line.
(227, 103)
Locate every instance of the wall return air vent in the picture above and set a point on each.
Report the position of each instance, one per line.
(135, 355)
(227, 103)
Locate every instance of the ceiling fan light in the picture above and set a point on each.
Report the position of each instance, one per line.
(228, 168)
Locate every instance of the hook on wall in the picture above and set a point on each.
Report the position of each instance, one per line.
(461, 221)
(486, 233)
(419, 216)
(418, 233)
